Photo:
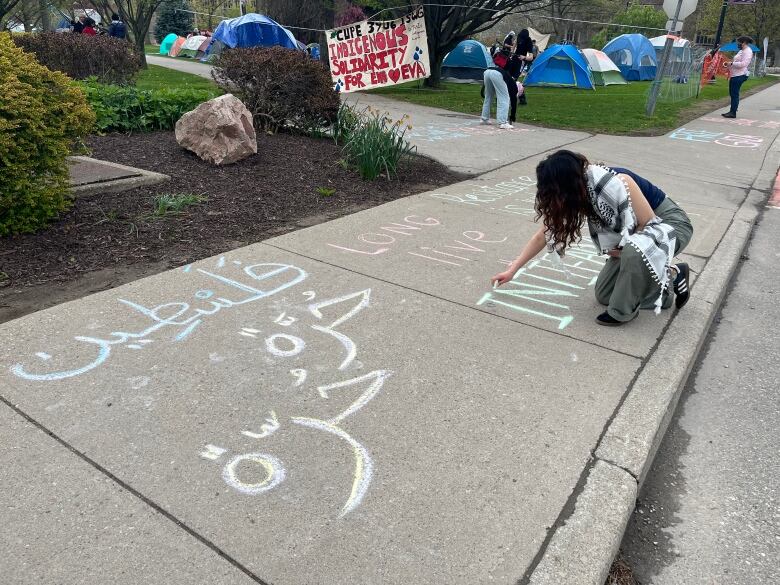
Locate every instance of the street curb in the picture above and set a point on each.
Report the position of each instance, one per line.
(582, 549)
(141, 179)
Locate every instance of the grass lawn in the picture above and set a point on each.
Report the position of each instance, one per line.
(152, 49)
(157, 77)
(614, 109)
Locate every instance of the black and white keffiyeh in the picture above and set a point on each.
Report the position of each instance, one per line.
(616, 226)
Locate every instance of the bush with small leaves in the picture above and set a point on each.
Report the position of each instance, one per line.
(281, 87)
(105, 58)
(129, 109)
(42, 114)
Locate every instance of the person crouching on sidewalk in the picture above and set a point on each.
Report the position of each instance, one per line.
(630, 220)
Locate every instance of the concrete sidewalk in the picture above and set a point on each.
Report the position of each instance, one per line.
(352, 402)
(192, 66)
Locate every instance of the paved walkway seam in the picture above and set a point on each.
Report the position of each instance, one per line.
(131, 490)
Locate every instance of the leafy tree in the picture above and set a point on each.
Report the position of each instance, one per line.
(639, 19)
(447, 25)
(758, 20)
(137, 15)
(7, 6)
(172, 19)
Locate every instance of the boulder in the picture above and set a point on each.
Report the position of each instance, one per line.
(219, 131)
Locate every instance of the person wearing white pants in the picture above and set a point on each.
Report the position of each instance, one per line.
(496, 86)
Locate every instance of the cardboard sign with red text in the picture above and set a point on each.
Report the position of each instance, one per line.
(376, 53)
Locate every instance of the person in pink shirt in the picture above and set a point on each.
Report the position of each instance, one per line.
(739, 68)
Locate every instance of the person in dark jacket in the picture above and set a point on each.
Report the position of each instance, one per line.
(117, 29)
(524, 55)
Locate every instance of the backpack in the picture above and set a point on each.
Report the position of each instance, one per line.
(501, 59)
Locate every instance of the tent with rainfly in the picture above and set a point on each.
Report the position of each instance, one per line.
(466, 62)
(250, 30)
(604, 71)
(560, 66)
(634, 55)
(195, 46)
(176, 47)
(167, 43)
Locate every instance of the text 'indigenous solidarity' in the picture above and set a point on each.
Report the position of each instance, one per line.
(376, 53)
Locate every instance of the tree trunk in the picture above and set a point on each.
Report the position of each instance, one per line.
(434, 80)
(139, 37)
(43, 8)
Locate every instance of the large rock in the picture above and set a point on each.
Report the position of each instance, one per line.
(219, 131)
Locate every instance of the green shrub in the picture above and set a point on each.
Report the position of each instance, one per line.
(41, 115)
(108, 59)
(128, 109)
(279, 86)
(373, 143)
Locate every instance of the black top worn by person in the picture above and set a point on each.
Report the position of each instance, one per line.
(652, 193)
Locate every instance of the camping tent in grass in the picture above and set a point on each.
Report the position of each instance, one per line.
(560, 66)
(195, 46)
(634, 55)
(604, 71)
(681, 49)
(167, 43)
(176, 47)
(251, 30)
(466, 62)
(681, 59)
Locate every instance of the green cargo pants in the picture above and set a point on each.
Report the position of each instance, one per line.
(626, 285)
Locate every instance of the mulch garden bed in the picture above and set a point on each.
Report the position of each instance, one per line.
(106, 240)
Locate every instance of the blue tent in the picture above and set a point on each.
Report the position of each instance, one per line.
(733, 47)
(252, 30)
(466, 62)
(561, 66)
(634, 55)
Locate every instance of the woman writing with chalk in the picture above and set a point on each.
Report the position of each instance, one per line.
(629, 219)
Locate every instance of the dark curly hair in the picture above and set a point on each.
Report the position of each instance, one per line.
(562, 201)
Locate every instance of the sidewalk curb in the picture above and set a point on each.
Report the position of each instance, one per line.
(582, 549)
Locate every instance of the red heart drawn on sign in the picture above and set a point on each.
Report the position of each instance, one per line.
(395, 75)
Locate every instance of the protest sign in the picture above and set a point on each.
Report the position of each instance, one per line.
(376, 53)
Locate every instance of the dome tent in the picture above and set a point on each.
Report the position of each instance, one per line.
(634, 55)
(167, 43)
(195, 46)
(561, 66)
(466, 62)
(252, 30)
(604, 71)
(681, 49)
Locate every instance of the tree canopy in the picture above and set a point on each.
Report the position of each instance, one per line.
(638, 19)
(447, 25)
(757, 20)
(172, 18)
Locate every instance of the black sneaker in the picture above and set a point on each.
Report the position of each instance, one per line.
(681, 285)
(607, 320)
(729, 115)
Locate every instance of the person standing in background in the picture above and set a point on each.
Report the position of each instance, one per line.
(78, 25)
(89, 28)
(118, 29)
(738, 69)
